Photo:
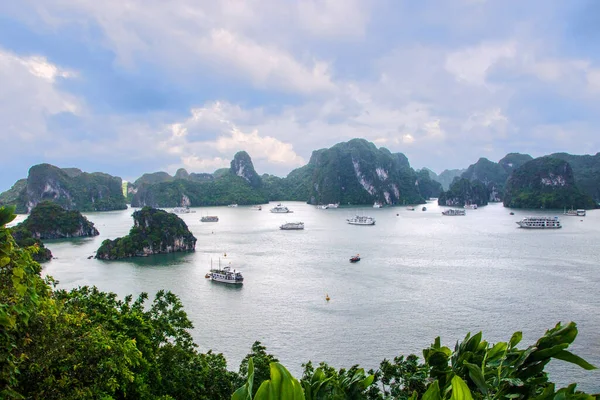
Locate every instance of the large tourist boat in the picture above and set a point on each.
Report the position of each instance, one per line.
(361, 220)
(225, 274)
(209, 218)
(279, 209)
(292, 226)
(453, 212)
(540, 223)
(377, 205)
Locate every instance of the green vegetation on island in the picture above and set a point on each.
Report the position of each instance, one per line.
(545, 182)
(25, 239)
(463, 191)
(153, 232)
(70, 188)
(427, 186)
(48, 220)
(586, 170)
(88, 344)
(357, 172)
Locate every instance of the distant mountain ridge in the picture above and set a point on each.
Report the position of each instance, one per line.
(353, 172)
(70, 188)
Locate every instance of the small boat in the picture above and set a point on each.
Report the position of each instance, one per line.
(279, 209)
(232, 205)
(361, 220)
(424, 209)
(333, 205)
(182, 210)
(209, 218)
(410, 208)
(377, 205)
(322, 206)
(512, 213)
(256, 208)
(470, 206)
(454, 212)
(292, 226)
(574, 213)
(354, 259)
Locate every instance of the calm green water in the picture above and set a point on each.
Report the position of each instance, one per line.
(421, 275)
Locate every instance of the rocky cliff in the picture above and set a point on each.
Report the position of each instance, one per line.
(427, 186)
(242, 166)
(586, 169)
(545, 182)
(513, 161)
(491, 174)
(357, 172)
(464, 191)
(70, 188)
(447, 177)
(153, 232)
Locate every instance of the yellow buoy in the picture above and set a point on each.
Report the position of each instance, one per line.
(327, 297)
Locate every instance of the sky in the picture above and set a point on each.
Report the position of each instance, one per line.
(133, 86)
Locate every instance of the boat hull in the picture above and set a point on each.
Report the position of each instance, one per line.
(227, 281)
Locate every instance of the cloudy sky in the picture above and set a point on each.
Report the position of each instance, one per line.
(132, 86)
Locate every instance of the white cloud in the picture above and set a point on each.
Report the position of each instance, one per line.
(472, 64)
(29, 96)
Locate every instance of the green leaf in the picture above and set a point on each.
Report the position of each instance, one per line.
(460, 390)
(572, 358)
(433, 392)
(496, 351)
(281, 386)
(476, 375)
(515, 339)
(245, 392)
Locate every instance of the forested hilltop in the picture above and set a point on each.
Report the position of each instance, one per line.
(354, 172)
(71, 188)
(520, 181)
(88, 344)
(350, 173)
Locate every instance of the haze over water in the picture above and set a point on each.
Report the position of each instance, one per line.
(421, 275)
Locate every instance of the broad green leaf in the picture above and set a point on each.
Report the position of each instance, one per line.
(476, 376)
(497, 351)
(515, 339)
(245, 392)
(547, 353)
(572, 358)
(460, 390)
(433, 392)
(281, 386)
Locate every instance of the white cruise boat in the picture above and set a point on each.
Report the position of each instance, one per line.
(377, 205)
(209, 218)
(540, 223)
(471, 206)
(292, 226)
(279, 209)
(361, 220)
(333, 205)
(225, 274)
(182, 210)
(575, 213)
(232, 205)
(322, 206)
(453, 212)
